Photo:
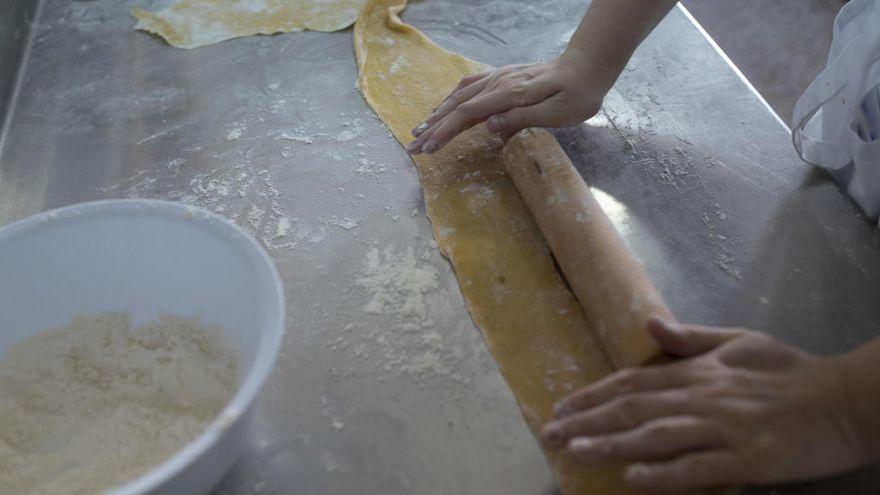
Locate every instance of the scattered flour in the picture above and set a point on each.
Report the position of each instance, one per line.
(478, 189)
(369, 168)
(255, 217)
(397, 332)
(233, 134)
(94, 404)
(328, 411)
(295, 137)
(724, 259)
(344, 223)
(346, 135)
(240, 193)
(283, 228)
(397, 284)
(726, 262)
(678, 169)
(331, 464)
(175, 163)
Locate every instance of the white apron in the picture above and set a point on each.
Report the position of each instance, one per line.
(836, 123)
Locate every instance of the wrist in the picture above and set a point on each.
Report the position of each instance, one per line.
(597, 76)
(860, 407)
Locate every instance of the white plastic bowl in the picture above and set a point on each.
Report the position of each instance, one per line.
(149, 257)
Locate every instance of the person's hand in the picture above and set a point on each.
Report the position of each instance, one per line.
(741, 408)
(558, 93)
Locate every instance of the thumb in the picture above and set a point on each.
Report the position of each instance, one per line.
(688, 340)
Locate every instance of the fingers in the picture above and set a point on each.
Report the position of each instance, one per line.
(454, 100)
(623, 382)
(472, 112)
(544, 114)
(697, 470)
(619, 414)
(688, 340)
(484, 95)
(462, 117)
(653, 440)
(465, 81)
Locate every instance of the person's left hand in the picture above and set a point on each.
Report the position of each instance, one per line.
(742, 408)
(562, 92)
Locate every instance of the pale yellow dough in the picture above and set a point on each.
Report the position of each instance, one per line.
(532, 324)
(195, 23)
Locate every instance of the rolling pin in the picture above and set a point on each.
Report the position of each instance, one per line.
(610, 284)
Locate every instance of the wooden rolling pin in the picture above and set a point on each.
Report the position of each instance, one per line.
(613, 288)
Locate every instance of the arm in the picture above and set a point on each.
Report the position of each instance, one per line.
(558, 93)
(740, 407)
(612, 30)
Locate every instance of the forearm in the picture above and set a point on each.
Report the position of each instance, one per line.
(861, 383)
(611, 31)
(557, 93)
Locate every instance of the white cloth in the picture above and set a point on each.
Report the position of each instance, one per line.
(836, 122)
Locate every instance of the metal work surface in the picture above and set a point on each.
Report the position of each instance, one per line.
(14, 29)
(271, 131)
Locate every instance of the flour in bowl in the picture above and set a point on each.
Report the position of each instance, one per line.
(94, 404)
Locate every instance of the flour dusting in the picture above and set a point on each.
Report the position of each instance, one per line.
(344, 223)
(247, 196)
(396, 287)
(397, 284)
(233, 134)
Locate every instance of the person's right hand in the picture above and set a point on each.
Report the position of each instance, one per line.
(739, 407)
(558, 93)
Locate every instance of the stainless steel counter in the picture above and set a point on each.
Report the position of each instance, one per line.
(697, 174)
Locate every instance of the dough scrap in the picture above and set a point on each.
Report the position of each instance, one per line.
(196, 23)
(532, 325)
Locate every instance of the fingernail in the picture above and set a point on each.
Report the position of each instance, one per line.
(552, 436)
(580, 444)
(560, 410)
(672, 325)
(661, 321)
(413, 148)
(429, 147)
(495, 123)
(418, 131)
(636, 472)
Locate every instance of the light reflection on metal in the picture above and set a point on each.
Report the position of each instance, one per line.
(616, 211)
(598, 120)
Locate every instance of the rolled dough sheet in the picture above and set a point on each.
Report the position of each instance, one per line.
(195, 23)
(532, 324)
